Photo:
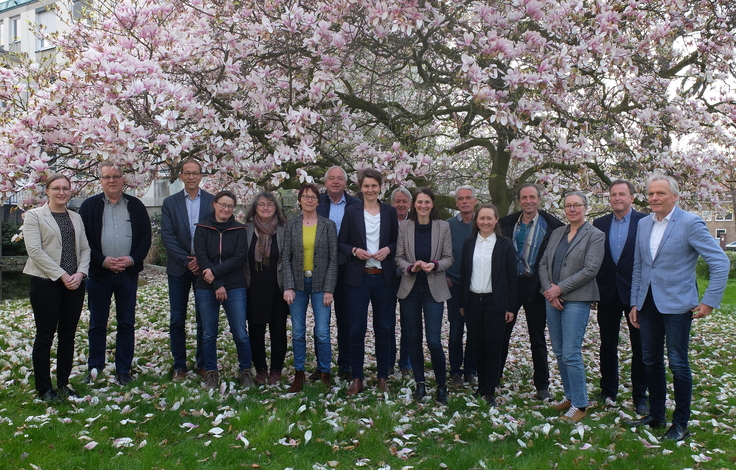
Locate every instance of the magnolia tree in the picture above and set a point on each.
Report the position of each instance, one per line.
(493, 93)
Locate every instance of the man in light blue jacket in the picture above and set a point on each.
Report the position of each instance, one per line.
(664, 295)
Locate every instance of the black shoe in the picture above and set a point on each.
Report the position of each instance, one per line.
(124, 378)
(88, 379)
(647, 421)
(490, 400)
(50, 396)
(543, 395)
(420, 392)
(442, 394)
(345, 375)
(65, 392)
(641, 409)
(676, 433)
(314, 376)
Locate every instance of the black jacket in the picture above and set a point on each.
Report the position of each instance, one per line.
(503, 273)
(222, 248)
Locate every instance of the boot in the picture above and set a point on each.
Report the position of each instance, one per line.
(325, 378)
(442, 394)
(246, 381)
(261, 377)
(356, 386)
(382, 384)
(298, 383)
(274, 378)
(420, 392)
(211, 379)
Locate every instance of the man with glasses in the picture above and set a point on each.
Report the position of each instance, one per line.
(119, 234)
(332, 204)
(179, 213)
(530, 229)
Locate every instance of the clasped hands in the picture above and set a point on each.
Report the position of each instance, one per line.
(379, 255)
(420, 265)
(72, 282)
(117, 265)
(553, 296)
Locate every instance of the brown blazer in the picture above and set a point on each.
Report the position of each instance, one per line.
(583, 259)
(441, 252)
(43, 243)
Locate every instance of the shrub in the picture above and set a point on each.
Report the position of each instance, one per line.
(11, 248)
(157, 254)
(702, 271)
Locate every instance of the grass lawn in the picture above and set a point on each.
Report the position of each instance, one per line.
(156, 424)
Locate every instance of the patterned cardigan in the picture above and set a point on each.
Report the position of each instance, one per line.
(325, 256)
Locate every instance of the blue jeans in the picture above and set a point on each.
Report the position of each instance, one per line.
(234, 307)
(457, 331)
(566, 331)
(179, 287)
(420, 298)
(375, 290)
(99, 295)
(298, 311)
(656, 328)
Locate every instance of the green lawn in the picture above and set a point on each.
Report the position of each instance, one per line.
(154, 423)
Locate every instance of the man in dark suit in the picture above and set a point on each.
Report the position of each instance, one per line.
(614, 285)
(332, 204)
(530, 229)
(179, 213)
(119, 234)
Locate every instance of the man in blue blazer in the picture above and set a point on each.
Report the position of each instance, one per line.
(119, 234)
(664, 295)
(614, 285)
(179, 213)
(332, 204)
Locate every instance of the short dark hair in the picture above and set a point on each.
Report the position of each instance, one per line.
(310, 186)
(433, 214)
(269, 196)
(627, 183)
(370, 173)
(486, 205)
(225, 193)
(190, 160)
(529, 185)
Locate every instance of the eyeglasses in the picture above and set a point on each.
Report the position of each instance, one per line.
(111, 177)
(60, 190)
(309, 197)
(187, 174)
(577, 207)
(227, 207)
(266, 204)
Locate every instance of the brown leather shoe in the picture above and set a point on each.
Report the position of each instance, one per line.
(298, 383)
(382, 384)
(274, 378)
(202, 373)
(261, 377)
(325, 378)
(179, 375)
(356, 386)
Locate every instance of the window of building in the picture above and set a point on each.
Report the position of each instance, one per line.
(720, 232)
(78, 7)
(724, 218)
(2, 33)
(14, 35)
(46, 20)
(707, 215)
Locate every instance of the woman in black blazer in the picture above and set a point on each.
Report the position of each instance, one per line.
(488, 279)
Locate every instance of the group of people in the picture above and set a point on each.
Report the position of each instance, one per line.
(355, 252)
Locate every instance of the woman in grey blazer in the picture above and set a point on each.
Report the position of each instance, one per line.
(424, 253)
(567, 274)
(265, 228)
(58, 263)
(310, 272)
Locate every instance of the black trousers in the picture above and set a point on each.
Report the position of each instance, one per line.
(536, 320)
(486, 328)
(277, 330)
(56, 309)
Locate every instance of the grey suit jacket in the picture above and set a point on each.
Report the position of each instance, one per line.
(250, 229)
(441, 252)
(43, 243)
(324, 278)
(175, 234)
(583, 259)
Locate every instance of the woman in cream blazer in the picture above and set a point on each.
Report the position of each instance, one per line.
(58, 262)
(423, 254)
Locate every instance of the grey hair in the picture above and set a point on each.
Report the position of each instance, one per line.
(401, 190)
(579, 194)
(670, 180)
(106, 164)
(344, 173)
(466, 186)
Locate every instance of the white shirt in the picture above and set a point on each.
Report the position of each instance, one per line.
(480, 278)
(372, 237)
(655, 238)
